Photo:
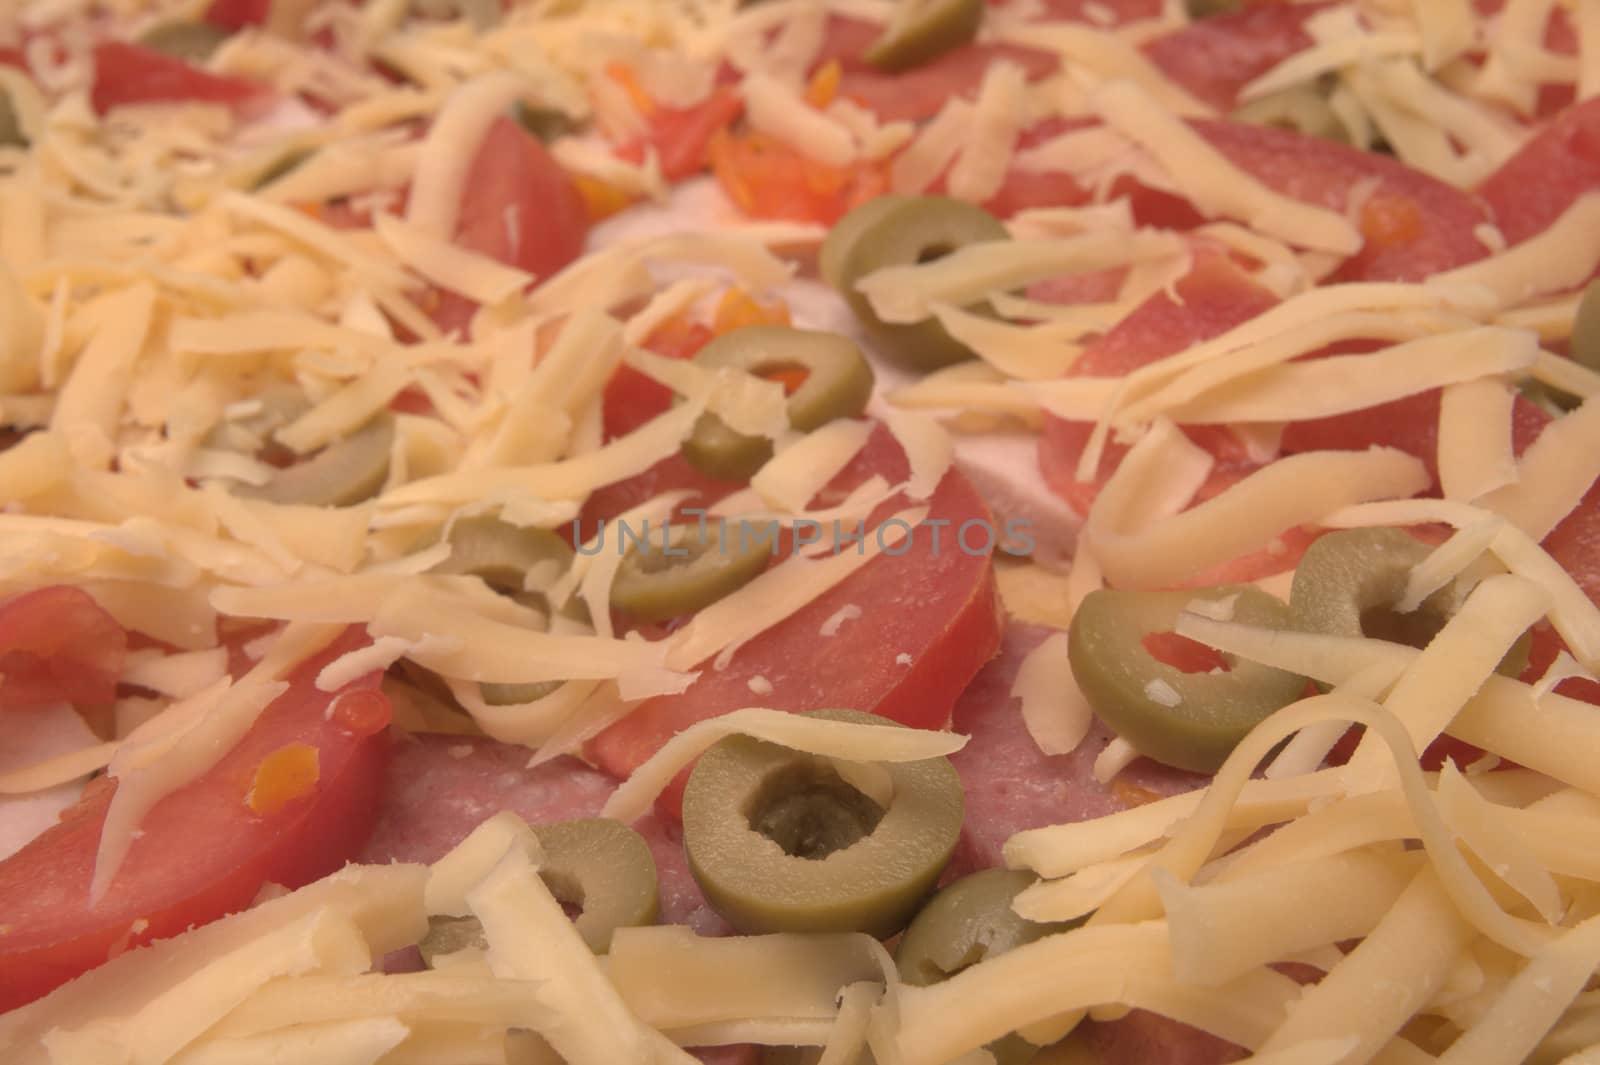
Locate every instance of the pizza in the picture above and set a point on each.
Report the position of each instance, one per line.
(915, 531)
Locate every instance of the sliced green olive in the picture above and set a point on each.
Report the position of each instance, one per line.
(1188, 720)
(966, 922)
(923, 30)
(1586, 329)
(1348, 584)
(1553, 401)
(546, 123)
(503, 554)
(483, 14)
(680, 571)
(601, 869)
(185, 39)
(918, 229)
(605, 869)
(282, 166)
(447, 935)
(1208, 8)
(11, 135)
(496, 694)
(345, 472)
(838, 384)
(847, 231)
(779, 842)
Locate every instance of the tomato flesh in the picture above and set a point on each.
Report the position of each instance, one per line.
(58, 645)
(1548, 175)
(682, 137)
(1215, 57)
(519, 208)
(929, 622)
(133, 74)
(202, 853)
(235, 15)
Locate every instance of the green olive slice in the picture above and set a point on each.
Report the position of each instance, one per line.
(448, 935)
(345, 472)
(838, 384)
(1188, 720)
(501, 553)
(11, 135)
(185, 39)
(1585, 345)
(1303, 109)
(1349, 582)
(546, 123)
(498, 694)
(1208, 8)
(605, 869)
(923, 30)
(917, 229)
(966, 922)
(679, 571)
(779, 842)
(281, 166)
(846, 232)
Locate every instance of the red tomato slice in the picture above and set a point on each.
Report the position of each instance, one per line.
(58, 645)
(235, 15)
(1216, 296)
(1547, 175)
(13, 57)
(936, 606)
(132, 74)
(631, 398)
(203, 851)
(519, 208)
(1216, 56)
(682, 137)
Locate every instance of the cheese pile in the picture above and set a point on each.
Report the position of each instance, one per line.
(155, 296)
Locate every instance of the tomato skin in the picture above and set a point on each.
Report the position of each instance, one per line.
(519, 208)
(58, 645)
(132, 74)
(201, 854)
(682, 137)
(938, 606)
(235, 15)
(1547, 175)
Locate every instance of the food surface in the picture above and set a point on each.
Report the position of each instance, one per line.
(916, 532)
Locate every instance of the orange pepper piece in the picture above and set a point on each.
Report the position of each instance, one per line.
(287, 774)
(737, 309)
(623, 75)
(824, 84)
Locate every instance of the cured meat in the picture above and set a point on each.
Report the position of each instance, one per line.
(442, 787)
(1011, 785)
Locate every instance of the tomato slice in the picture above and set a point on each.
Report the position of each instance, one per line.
(1548, 174)
(133, 74)
(929, 621)
(58, 645)
(518, 207)
(1216, 56)
(682, 137)
(206, 849)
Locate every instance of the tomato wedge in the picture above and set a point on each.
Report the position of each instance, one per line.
(519, 208)
(133, 74)
(929, 621)
(58, 645)
(237, 14)
(290, 803)
(682, 136)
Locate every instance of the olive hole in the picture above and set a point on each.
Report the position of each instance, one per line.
(567, 891)
(810, 812)
(934, 252)
(1184, 654)
(1416, 629)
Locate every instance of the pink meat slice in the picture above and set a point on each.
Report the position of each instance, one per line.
(1010, 786)
(442, 787)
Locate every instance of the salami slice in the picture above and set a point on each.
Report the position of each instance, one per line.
(1010, 785)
